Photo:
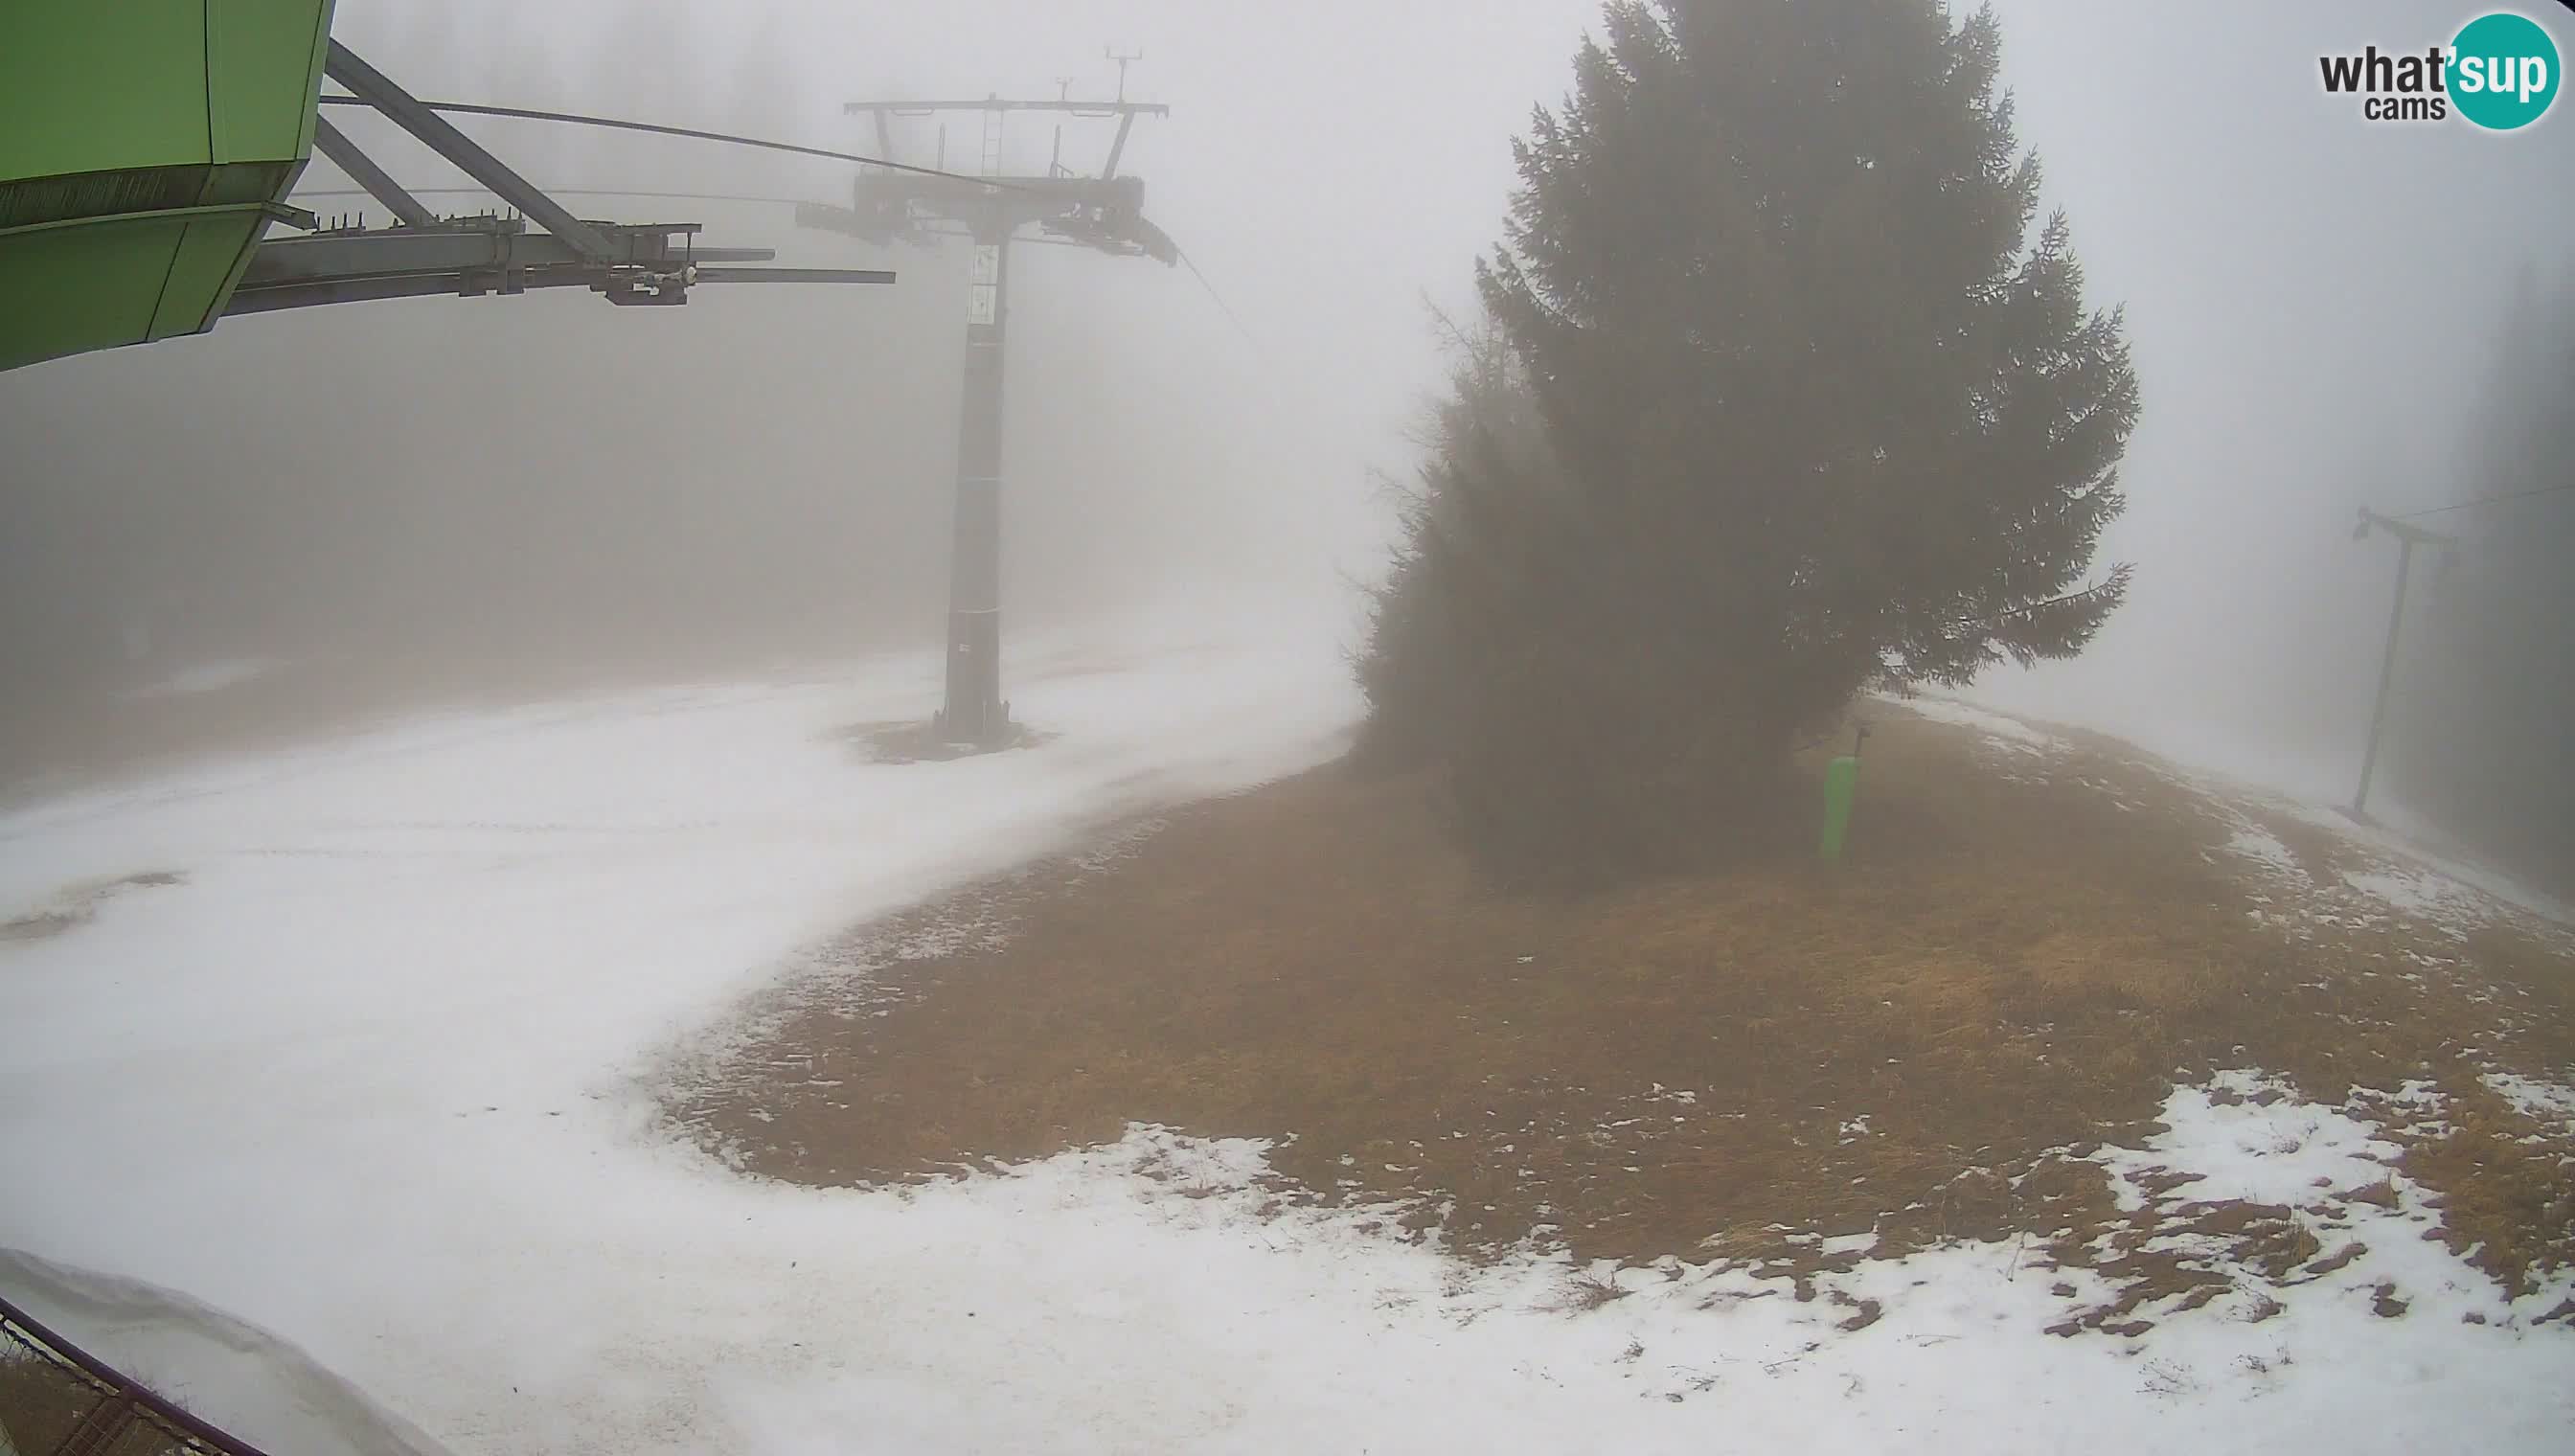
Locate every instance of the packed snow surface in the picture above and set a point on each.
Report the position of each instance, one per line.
(211, 677)
(369, 1063)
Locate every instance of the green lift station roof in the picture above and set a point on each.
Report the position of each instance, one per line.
(145, 146)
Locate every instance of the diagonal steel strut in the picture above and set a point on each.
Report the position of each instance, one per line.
(373, 87)
(362, 170)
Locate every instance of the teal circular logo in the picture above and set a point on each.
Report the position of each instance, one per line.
(2503, 71)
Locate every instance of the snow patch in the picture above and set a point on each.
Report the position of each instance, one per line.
(2420, 893)
(2263, 847)
(2551, 1105)
(1999, 729)
(2471, 895)
(2244, 1136)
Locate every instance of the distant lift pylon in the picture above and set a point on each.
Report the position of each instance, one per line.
(2407, 538)
(1105, 213)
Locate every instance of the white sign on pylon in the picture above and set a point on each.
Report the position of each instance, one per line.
(983, 300)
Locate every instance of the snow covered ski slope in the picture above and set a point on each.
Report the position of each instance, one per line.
(359, 1044)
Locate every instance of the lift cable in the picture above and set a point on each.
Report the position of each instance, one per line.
(2487, 501)
(466, 108)
(1219, 298)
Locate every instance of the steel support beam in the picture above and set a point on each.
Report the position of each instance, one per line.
(2407, 537)
(343, 256)
(362, 170)
(373, 87)
(795, 274)
(974, 711)
(451, 250)
(1117, 148)
(2386, 676)
(312, 293)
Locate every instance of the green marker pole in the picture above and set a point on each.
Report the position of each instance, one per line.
(1841, 786)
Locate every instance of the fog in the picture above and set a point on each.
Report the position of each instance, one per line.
(647, 1067)
(2313, 301)
(448, 497)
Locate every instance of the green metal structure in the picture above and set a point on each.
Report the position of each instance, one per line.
(1841, 789)
(1842, 786)
(145, 147)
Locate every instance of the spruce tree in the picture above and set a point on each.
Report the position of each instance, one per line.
(1822, 409)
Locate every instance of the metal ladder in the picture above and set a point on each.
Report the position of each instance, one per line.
(991, 144)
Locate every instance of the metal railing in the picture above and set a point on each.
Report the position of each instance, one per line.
(57, 1399)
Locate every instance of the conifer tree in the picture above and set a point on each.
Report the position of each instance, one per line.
(1820, 410)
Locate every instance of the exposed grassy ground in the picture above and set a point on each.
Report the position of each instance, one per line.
(2023, 954)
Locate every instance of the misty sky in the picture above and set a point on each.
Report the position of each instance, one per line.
(2308, 296)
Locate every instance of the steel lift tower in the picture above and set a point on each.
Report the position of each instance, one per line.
(148, 153)
(2407, 538)
(1103, 213)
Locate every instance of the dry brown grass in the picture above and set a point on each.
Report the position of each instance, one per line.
(2014, 963)
(43, 1403)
